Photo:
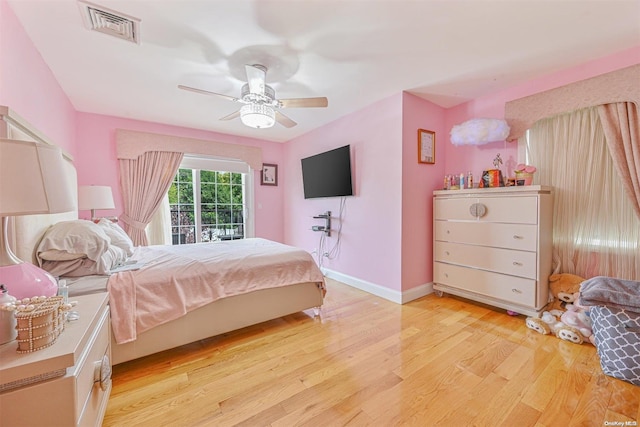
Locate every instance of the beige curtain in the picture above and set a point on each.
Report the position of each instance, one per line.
(144, 182)
(159, 228)
(621, 124)
(595, 228)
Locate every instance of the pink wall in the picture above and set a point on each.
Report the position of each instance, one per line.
(386, 234)
(418, 182)
(387, 230)
(370, 244)
(97, 163)
(376, 260)
(29, 88)
(462, 159)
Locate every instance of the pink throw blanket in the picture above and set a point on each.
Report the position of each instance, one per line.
(179, 279)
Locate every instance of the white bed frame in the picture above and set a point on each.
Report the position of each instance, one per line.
(219, 317)
(225, 315)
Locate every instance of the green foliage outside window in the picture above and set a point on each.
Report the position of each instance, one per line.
(221, 207)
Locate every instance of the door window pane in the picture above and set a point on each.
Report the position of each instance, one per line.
(220, 211)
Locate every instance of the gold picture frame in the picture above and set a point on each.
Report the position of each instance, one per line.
(426, 146)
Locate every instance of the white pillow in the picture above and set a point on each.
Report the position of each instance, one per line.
(113, 257)
(118, 236)
(79, 248)
(58, 255)
(77, 239)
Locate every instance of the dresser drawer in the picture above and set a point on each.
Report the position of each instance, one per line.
(512, 289)
(511, 236)
(507, 261)
(516, 209)
(89, 394)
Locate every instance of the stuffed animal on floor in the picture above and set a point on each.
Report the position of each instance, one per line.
(563, 287)
(564, 317)
(577, 317)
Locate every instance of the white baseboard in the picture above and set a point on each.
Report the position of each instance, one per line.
(381, 291)
(417, 292)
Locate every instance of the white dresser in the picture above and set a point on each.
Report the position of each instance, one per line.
(66, 384)
(494, 245)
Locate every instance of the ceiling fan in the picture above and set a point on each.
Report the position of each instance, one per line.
(260, 109)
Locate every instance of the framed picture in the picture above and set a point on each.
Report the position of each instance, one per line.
(269, 174)
(426, 146)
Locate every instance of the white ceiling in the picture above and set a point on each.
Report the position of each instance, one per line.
(354, 52)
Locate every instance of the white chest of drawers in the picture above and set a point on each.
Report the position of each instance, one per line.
(494, 245)
(66, 384)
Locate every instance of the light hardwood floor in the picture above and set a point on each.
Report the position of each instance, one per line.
(370, 362)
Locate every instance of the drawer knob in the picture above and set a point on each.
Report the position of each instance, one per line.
(517, 237)
(102, 372)
(446, 253)
(519, 264)
(517, 291)
(478, 210)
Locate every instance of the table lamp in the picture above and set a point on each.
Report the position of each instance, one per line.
(93, 197)
(32, 181)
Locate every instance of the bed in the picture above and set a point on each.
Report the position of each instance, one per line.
(166, 296)
(221, 313)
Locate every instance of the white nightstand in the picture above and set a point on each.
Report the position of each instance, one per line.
(66, 384)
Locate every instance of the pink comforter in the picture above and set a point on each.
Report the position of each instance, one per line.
(179, 279)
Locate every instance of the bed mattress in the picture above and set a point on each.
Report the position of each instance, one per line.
(86, 285)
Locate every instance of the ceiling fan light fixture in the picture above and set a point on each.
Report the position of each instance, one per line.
(259, 101)
(258, 116)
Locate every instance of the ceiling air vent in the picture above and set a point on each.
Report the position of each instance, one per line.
(107, 21)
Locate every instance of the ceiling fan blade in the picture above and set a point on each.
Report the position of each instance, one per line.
(303, 102)
(256, 77)
(231, 116)
(284, 120)
(206, 92)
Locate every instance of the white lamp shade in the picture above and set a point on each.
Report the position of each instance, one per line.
(95, 197)
(32, 179)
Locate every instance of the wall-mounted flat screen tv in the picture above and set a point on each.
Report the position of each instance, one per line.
(327, 174)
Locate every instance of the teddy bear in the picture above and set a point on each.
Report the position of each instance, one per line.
(563, 287)
(564, 317)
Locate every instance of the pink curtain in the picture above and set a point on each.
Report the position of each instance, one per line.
(144, 183)
(621, 124)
